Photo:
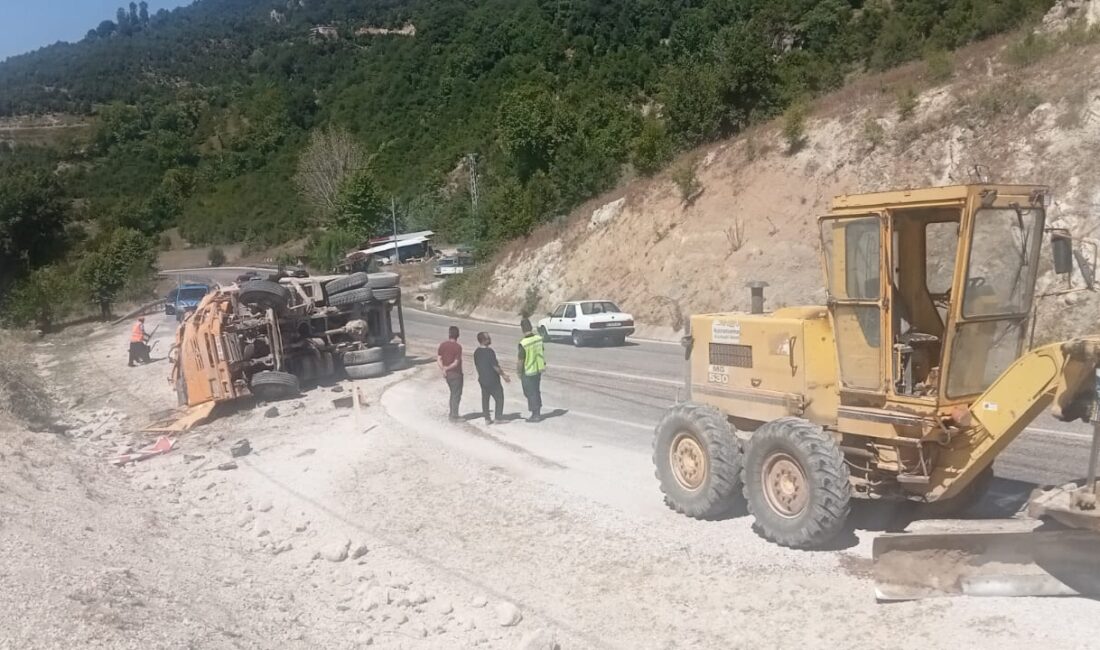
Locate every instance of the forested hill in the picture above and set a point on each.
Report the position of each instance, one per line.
(201, 113)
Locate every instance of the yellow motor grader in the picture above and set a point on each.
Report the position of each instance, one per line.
(905, 386)
(265, 337)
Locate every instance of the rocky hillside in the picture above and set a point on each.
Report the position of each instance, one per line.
(1025, 107)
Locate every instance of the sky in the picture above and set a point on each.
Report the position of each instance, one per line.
(27, 25)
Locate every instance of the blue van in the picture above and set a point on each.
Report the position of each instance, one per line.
(184, 298)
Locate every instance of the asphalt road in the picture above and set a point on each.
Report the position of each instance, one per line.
(617, 394)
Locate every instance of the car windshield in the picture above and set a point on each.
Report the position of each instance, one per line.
(598, 307)
(191, 294)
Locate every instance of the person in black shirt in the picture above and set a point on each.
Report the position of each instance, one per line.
(489, 375)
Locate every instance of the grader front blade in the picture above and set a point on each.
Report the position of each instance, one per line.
(1009, 557)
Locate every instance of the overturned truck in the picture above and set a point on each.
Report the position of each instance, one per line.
(266, 338)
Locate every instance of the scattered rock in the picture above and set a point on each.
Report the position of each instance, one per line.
(245, 519)
(400, 619)
(337, 389)
(539, 640)
(190, 458)
(416, 598)
(241, 448)
(377, 597)
(606, 213)
(508, 614)
(479, 602)
(359, 551)
(342, 402)
(272, 412)
(229, 465)
(281, 548)
(442, 607)
(305, 452)
(264, 505)
(336, 550)
(301, 527)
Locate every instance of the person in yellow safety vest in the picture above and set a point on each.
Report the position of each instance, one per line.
(532, 362)
(139, 351)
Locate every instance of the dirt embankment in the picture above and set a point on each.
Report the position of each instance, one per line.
(663, 258)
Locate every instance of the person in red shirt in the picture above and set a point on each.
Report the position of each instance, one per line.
(449, 360)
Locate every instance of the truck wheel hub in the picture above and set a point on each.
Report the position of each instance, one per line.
(689, 461)
(785, 485)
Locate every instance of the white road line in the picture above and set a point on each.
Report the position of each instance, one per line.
(620, 375)
(1055, 432)
(600, 418)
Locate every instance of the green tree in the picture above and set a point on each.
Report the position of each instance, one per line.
(360, 209)
(32, 221)
(124, 257)
(692, 101)
(329, 248)
(652, 148)
(44, 298)
(527, 129)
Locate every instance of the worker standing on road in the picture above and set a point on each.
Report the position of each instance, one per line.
(489, 375)
(449, 360)
(139, 351)
(532, 361)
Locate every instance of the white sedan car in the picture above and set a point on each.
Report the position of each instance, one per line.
(585, 321)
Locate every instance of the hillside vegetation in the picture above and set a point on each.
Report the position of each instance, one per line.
(202, 115)
(1020, 108)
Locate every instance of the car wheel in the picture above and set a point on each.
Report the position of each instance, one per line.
(578, 341)
(619, 339)
(543, 333)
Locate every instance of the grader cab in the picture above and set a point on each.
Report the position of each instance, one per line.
(905, 385)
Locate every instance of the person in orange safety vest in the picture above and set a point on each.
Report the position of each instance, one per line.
(139, 351)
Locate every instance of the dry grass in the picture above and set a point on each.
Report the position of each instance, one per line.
(22, 392)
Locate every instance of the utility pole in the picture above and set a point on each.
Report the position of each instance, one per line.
(393, 213)
(471, 164)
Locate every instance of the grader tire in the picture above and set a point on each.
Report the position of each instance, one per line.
(960, 504)
(796, 483)
(698, 461)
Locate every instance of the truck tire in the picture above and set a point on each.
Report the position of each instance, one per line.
(359, 357)
(796, 483)
(395, 357)
(698, 461)
(366, 370)
(351, 297)
(383, 279)
(386, 293)
(271, 385)
(962, 502)
(265, 295)
(353, 281)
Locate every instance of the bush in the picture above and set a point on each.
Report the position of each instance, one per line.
(530, 302)
(216, 256)
(1003, 99)
(164, 242)
(44, 298)
(329, 248)
(1031, 50)
(907, 102)
(873, 134)
(941, 65)
(466, 289)
(794, 126)
(686, 179)
(652, 148)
